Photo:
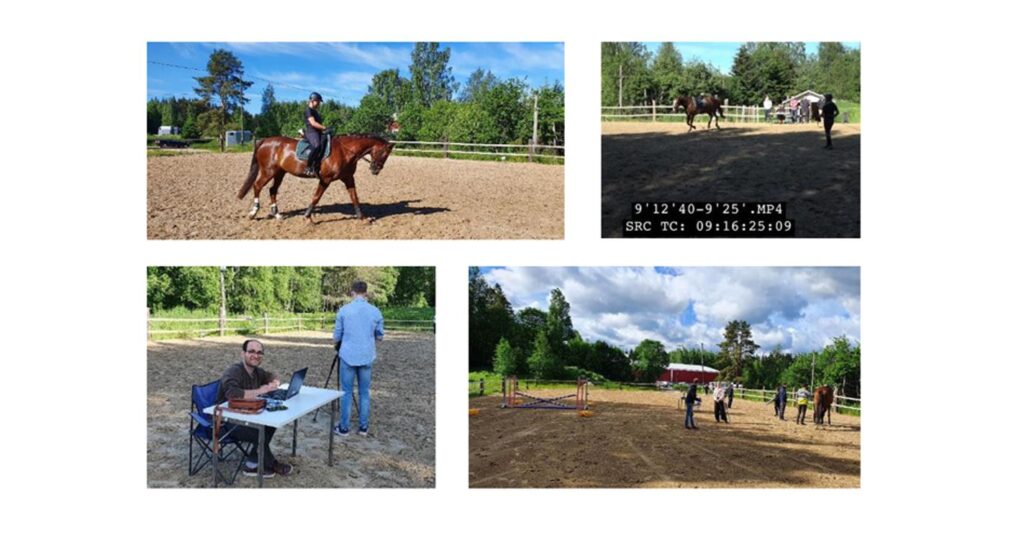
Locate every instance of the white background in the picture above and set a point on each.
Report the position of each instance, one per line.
(940, 253)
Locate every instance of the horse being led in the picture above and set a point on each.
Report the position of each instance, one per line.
(708, 105)
(823, 404)
(275, 157)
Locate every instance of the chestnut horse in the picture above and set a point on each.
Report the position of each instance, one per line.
(711, 106)
(823, 404)
(272, 158)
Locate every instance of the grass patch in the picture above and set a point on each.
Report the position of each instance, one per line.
(492, 383)
(849, 107)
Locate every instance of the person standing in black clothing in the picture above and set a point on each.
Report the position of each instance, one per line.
(728, 394)
(313, 133)
(829, 112)
(690, 400)
(783, 398)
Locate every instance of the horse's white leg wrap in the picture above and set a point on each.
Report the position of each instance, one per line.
(255, 208)
(273, 211)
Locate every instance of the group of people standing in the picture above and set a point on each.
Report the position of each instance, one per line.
(723, 395)
(358, 326)
(781, 399)
(801, 111)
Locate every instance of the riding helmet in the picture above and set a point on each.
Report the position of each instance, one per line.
(316, 96)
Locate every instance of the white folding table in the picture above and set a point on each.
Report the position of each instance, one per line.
(308, 400)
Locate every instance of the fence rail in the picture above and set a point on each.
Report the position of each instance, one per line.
(732, 113)
(449, 149)
(477, 386)
(265, 325)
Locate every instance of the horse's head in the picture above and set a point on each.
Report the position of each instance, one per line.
(680, 100)
(379, 155)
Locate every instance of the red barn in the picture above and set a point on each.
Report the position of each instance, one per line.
(686, 373)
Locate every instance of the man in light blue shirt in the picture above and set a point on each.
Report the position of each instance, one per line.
(357, 328)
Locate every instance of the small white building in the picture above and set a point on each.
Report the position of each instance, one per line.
(236, 137)
(811, 96)
(168, 131)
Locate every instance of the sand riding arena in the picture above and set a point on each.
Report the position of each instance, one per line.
(636, 439)
(662, 162)
(192, 196)
(399, 453)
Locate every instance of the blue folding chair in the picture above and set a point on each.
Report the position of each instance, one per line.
(200, 444)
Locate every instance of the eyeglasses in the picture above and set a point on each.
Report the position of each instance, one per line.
(254, 352)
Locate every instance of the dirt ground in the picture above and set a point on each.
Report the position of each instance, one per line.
(399, 453)
(739, 163)
(637, 440)
(193, 197)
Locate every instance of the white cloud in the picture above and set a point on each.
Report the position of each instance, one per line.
(796, 309)
(374, 55)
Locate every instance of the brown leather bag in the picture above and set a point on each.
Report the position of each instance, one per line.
(248, 406)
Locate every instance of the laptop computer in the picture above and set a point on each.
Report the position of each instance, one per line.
(293, 387)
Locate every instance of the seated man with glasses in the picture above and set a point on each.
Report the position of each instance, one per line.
(246, 379)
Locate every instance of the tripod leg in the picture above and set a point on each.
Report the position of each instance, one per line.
(326, 382)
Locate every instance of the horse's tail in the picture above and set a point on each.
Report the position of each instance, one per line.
(254, 171)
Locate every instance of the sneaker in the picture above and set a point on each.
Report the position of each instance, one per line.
(282, 469)
(338, 432)
(251, 471)
(364, 432)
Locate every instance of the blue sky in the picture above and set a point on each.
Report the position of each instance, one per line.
(721, 54)
(341, 71)
(798, 309)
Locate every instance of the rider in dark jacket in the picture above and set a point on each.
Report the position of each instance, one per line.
(314, 134)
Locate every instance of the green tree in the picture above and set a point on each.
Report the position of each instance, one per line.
(551, 115)
(307, 286)
(624, 66)
(392, 88)
(490, 319)
(762, 69)
(415, 286)
(153, 116)
(268, 124)
(505, 104)
(338, 280)
(158, 287)
(766, 371)
(543, 362)
(610, 362)
(649, 360)
(478, 83)
(372, 116)
(839, 365)
(558, 326)
(504, 358)
(432, 78)
(251, 290)
(225, 83)
(736, 350)
(667, 72)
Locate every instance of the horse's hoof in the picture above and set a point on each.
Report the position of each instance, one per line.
(367, 220)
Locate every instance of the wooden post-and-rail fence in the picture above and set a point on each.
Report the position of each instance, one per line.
(264, 324)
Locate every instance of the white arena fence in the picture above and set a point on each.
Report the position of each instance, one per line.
(497, 151)
(264, 325)
(655, 112)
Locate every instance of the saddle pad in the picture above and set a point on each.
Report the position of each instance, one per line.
(302, 148)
